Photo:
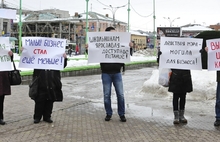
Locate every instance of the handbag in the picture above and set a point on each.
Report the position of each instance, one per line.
(33, 87)
(14, 76)
(164, 77)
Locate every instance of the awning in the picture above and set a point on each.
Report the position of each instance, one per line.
(12, 38)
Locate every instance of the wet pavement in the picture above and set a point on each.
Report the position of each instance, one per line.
(80, 117)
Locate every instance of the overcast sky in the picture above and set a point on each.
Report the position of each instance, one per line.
(141, 14)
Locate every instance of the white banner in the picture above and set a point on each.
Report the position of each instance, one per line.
(108, 47)
(5, 59)
(180, 53)
(7, 13)
(42, 53)
(213, 54)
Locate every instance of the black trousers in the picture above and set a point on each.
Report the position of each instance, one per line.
(131, 51)
(43, 108)
(179, 101)
(2, 98)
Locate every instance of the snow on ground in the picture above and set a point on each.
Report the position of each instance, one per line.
(204, 82)
(204, 86)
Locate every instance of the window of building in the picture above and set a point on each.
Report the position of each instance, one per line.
(5, 26)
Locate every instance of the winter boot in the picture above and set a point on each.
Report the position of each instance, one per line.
(182, 119)
(176, 117)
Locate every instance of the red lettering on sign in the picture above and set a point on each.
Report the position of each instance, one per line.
(217, 64)
(40, 51)
(215, 45)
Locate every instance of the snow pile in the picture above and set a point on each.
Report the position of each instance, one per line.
(204, 86)
(146, 52)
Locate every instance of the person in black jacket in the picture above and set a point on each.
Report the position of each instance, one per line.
(180, 84)
(111, 74)
(217, 101)
(5, 89)
(49, 91)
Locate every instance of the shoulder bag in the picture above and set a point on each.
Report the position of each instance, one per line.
(14, 76)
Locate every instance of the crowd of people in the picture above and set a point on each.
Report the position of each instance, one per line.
(49, 90)
(180, 83)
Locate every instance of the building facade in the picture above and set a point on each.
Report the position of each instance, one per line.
(5, 27)
(215, 27)
(139, 40)
(48, 23)
(191, 30)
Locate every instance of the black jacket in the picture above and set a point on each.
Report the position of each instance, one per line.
(49, 84)
(180, 81)
(218, 76)
(112, 68)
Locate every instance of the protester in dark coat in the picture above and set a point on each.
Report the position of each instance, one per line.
(217, 101)
(86, 47)
(180, 84)
(49, 91)
(5, 89)
(70, 51)
(131, 44)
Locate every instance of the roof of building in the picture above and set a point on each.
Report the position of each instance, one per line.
(195, 27)
(96, 16)
(46, 16)
(138, 33)
(40, 16)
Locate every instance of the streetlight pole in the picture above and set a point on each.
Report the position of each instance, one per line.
(113, 10)
(171, 21)
(2, 4)
(154, 18)
(87, 24)
(20, 28)
(129, 15)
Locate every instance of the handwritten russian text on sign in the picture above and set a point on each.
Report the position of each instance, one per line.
(213, 54)
(5, 59)
(108, 47)
(180, 53)
(42, 53)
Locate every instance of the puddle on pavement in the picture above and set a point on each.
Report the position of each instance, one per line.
(141, 111)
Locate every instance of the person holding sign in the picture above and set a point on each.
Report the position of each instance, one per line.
(49, 90)
(5, 89)
(217, 103)
(180, 83)
(111, 74)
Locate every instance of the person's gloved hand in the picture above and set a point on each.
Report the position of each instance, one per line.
(201, 50)
(159, 53)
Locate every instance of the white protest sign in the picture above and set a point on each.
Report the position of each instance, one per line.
(7, 13)
(5, 59)
(108, 47)
(42, 53)
(213, 54)
(180, 53)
